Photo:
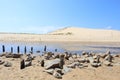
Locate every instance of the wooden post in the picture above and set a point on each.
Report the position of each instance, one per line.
(18, 49)
(31, 50)
(3, 48)
(55, 50)
(11, 49)
(25, 50)
(45, 48)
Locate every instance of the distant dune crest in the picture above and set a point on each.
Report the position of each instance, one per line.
(67, 34)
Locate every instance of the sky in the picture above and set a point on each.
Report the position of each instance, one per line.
(42, 16)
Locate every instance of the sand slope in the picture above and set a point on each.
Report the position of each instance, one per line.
(67, 34)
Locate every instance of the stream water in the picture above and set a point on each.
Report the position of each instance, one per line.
(51, 47)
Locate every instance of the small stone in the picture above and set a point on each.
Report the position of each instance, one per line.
(107, 63)
(57, 75)
(73, 65)
(28, 63)
(2, 62)
(66, 69)
(50, 71)
(8, 64)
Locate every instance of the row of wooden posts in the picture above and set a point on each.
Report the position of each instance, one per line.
(18, 49)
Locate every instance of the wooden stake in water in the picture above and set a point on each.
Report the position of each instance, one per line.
(45, 48)
(11, 49)
(18, 49)
(31, 50)
(3, 48)
(25, 50)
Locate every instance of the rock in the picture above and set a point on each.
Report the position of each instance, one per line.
(109, 58)
(95, 64)
(83, 65)
(22, 64)
(116, 55)
(82, 60)
(50, 71)
(16, 55)
(59, 70)
(57, 75)
(66, 69)
(42, 63)
(52, 63)
(74, 56)
(73, 65)
(2, 62)
(8, 64)
(91, 60)
(61, 61)
(28, 63)
(9, 56)
(107, 63)
(95, 57)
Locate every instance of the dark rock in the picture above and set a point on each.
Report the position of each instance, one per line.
(42, 63)
(16, 55)
(61, 61)
(22, 64)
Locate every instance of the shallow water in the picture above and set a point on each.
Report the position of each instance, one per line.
(36, 47)
(76, 48)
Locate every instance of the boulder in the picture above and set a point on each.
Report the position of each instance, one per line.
(52, 63)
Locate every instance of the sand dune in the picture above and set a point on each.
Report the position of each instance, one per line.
(67, 34)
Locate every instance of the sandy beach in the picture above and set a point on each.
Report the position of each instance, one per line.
(68, 38)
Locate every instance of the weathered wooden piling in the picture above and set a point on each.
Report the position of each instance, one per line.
(18, 49)
(45, 48)
(25, 50)
(11, 49)
(31, 50)
(55, 50)
(3, 48)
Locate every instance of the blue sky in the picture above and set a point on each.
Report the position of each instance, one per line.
(41, 16)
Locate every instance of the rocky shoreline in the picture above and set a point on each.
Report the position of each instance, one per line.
(60, 64)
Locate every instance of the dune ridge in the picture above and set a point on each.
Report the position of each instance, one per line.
(67, 34)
